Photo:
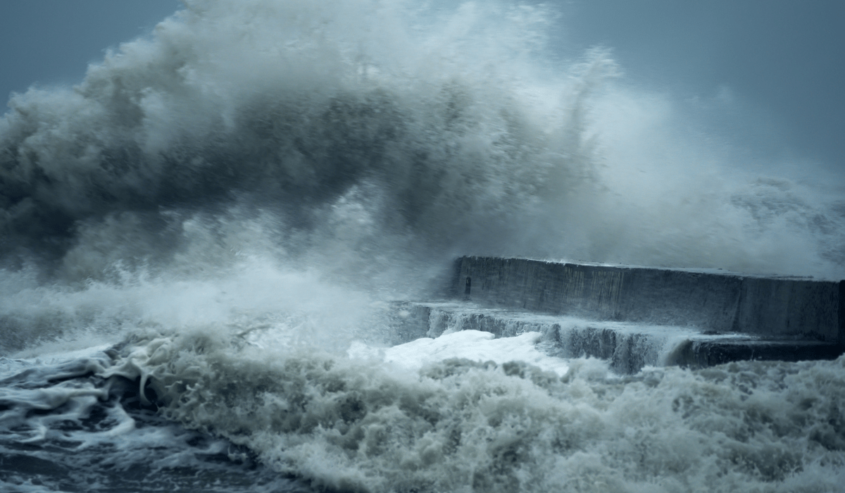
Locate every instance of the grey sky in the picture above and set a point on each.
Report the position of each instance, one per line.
(52, 41)
(783, 60)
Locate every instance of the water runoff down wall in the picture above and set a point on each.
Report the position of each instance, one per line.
(723, 316)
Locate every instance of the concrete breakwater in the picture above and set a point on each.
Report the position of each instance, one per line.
(775, 310)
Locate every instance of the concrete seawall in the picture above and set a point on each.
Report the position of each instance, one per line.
(784, 308)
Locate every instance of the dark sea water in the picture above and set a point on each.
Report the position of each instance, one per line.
(199, 244)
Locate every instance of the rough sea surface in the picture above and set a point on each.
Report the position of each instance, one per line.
(200, 241)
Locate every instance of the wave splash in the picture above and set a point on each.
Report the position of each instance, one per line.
(434, 133)
(459, 425)
(207, 196)
(294, 112)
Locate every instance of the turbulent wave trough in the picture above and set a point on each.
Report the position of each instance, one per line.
(199, 241)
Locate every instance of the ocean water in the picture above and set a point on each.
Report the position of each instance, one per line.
(201, 241)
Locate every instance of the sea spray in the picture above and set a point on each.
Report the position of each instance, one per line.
(355, 134)
(461, 425)
(231, 201)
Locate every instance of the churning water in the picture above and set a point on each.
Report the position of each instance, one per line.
(198, 241)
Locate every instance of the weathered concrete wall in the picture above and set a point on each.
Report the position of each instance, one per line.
(779, 307)
(786, 307)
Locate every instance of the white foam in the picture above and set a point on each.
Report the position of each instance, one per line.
(253, 173)
(460, 425)
(473, 345)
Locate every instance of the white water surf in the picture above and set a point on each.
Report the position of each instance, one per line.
(227, 205)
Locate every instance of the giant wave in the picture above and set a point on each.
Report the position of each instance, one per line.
(219, 211)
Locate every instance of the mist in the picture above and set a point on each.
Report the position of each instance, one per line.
(303, 135)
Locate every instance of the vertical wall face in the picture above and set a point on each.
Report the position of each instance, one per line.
(542, 286)
(841, 314)
(790, 307)
(680, 298)
(723, 303)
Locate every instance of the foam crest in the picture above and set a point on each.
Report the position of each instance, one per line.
(459, 425)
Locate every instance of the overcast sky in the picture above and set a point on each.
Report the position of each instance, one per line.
(783, 60)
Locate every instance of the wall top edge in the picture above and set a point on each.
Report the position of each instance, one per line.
(705, 271)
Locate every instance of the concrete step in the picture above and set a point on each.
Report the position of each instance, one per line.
(628, 346)
(699, 353)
